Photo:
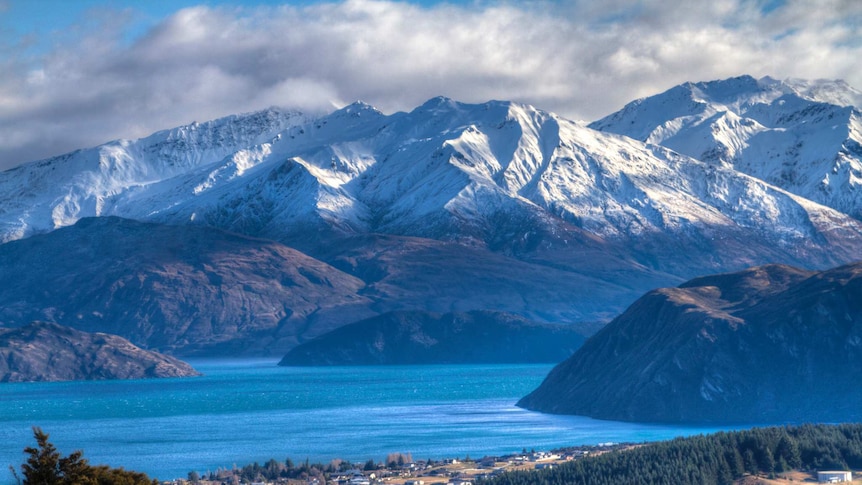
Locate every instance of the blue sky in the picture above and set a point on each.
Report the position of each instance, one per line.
(77, 73)
(42, 18)
(39, 22)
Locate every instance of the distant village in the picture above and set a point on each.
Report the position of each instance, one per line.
(401, 469)
(397, 469)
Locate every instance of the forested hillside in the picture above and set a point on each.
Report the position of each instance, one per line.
(713, 459)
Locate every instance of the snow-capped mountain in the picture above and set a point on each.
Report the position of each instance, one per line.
(446, 171)
(802, 136)
(56, 192)
(449, 207)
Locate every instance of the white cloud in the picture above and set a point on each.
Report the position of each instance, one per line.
(580, 58)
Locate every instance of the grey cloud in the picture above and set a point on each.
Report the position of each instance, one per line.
(572, 57)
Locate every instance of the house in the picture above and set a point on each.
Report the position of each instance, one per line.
(460, 481)
(543, 456)
(347, 474)
(576, 454)
(359, 479)
(351, 477)
(414, 482)
(834, 476)
(544, 466)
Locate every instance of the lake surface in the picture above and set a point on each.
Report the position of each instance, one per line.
(253, 410)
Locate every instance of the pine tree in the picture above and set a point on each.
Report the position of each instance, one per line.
(75, 469)
(768, 461)
(789, 450)
(43, 464)
(750, 462)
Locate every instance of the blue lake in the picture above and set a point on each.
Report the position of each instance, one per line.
(252, 410)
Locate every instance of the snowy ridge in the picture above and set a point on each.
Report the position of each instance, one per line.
(486, 173)
(802, 136)
(56, 192)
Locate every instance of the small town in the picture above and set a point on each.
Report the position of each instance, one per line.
(398, 469)
(401, 469)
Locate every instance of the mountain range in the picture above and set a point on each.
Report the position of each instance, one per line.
(256, 232)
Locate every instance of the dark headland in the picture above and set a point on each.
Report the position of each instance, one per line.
(45, 351)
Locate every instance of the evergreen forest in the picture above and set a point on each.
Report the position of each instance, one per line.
(718, 458)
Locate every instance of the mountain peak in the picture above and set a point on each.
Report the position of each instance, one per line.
(358, 107)
(728, 91)
(438, 105)
(802, 136)
(437, 101)
(832, 91)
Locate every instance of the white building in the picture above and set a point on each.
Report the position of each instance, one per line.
(544, 456)
(834, 476)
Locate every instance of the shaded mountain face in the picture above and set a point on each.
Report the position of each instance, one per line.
(771, 344)
(415, 337)
(44, 351)
(198, 290)
(408, 273)
(177, 289)
(802, 136)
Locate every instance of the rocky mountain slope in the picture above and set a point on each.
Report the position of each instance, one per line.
(178, 289)
(416, 337)
(44, 351)
(768, 344)
(802, 136)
